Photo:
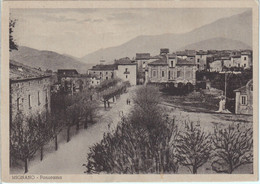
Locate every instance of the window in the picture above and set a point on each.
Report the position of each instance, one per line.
(171, 63)
(198, 60)
(243, 100)
(251, 88)
(162, 73)
(178, 73)
(106, 73)
(126, 69)
(244, 58)
(106, 78)
(29, 101)
(154, 73)
(238, 64)
(126, 76)
(100, 73)
(92, 82)
(244, 65)
(39, 98)
(94, 72)
(18, 103)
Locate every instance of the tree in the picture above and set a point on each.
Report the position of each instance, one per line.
(233, 147)
(23, 138)
(44, 128)
(193, 147)
(12, 44)
(141, 143)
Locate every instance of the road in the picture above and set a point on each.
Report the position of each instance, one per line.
(69, 157)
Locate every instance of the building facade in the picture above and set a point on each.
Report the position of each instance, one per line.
(244, 99)
(30, 91)
(172, 69)
(104, 72)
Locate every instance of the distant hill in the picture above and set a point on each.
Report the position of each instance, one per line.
(236, 32)
(217, 44)
(47, 59)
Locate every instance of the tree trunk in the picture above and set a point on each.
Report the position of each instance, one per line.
(41, 153)
(113, 98)
(26, 165)
(91, 117)
(194, 170)
(56, 142)
(105, 104)
(68, 134)
(86, 122)
(77, 126)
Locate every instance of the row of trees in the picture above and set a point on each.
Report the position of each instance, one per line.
(148, 141)
(28, 134)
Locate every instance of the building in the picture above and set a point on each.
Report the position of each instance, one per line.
(189, 55)
(244, 99)
(71, 81)
(30, 91)
(126, 70)
(216, 65)
(94, 81)
(246, 59)
(172, 69)
(201, 60)
(104, 72)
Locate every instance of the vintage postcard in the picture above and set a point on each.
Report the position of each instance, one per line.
(129, 91)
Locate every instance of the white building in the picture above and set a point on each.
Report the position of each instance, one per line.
(126, 70)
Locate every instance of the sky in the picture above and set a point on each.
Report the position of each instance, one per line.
(78, 32)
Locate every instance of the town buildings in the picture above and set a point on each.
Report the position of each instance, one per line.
(173, 69)
(29, 91)
(71, 81)
(103, 71)
(126, 70)
(244, 99)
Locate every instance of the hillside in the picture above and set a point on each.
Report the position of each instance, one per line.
(217, 44)
(47, 59)
(235, 28)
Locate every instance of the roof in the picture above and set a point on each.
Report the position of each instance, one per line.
(161, 61)
(246, 53)
(201, 52)
(140, 56)
(243, 88)
(184, 62)
(20, 72)
(125, 61)
(171, 56)
(164, 50)
(186, 53)
(103, 67)
(61, 71)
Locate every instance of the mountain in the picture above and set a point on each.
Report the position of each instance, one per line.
(217, 44)
(235, 28)
(47, 59)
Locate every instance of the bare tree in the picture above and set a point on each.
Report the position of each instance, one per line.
(23, 138)
(137, 145)
(193, 147)
(233, 147)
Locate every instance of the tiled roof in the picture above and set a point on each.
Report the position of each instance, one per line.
(243, 88)
(19, 71)
(201, 52)
(186, 53)
(184, 62)
(125, 61)
(104, 67)
(171, 56)
(160, 61)
(140, 56)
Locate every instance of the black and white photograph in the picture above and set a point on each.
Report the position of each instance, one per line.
(134, 91)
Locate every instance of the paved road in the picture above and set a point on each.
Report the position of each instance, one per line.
(70, 156)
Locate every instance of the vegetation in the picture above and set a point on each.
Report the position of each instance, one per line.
(232, 147)
(138, 145)
(12, 43)
(193, 147)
